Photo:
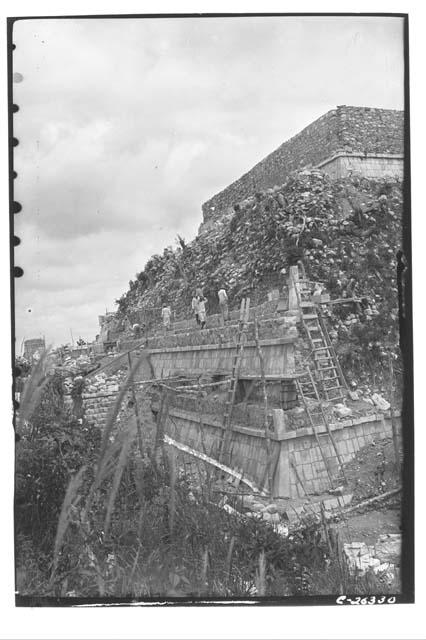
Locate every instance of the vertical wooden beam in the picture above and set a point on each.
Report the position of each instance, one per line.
(136, 409)
(293, 283)
(393, 422)
(281, 476)
(265, 405)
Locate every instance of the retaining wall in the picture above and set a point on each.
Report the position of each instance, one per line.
(288, 448)
(248, 444)
(261, 312)
(301, 447)
(214, 350)
(99, 396)
(278, 355)
(279, 327)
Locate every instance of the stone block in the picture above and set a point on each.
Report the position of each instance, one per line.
(346, 499)
(315, 485)
(331, 503)
(305, 456)
(369, 438)
(308, 471)
(314, 507)
(318, 466)
(350, 446)
(297, 457)
(280, 422)
(366, 429)
(342, 447)
(315, 454)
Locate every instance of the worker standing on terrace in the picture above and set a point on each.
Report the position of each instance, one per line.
(136, 330)
(166, 314)
(194, 306)
(201, 304)
(223, 304)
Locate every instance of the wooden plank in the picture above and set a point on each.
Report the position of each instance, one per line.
(202, 456)
(265, 406)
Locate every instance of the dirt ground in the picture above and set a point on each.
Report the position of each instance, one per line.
(372, 471)
(369, 526)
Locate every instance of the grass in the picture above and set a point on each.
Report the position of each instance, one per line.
(139, 526)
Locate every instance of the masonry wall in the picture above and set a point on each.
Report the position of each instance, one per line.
(278, 355)
(102, 387)
(344, 129)
(290, 451)
(303, 451)
(279, 327)
(99, 396)
(368, 166)
(214, 321)
(248, 445)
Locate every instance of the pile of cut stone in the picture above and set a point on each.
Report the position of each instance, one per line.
(383, 557)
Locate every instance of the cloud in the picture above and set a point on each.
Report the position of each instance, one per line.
(127, 126)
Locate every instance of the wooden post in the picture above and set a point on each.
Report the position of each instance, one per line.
(202, 440)
(135, 405)
(298, 477)
(265, 405)
(293, 293)
(393, 422)
(161, 421)
(226, 435)
(215, 463)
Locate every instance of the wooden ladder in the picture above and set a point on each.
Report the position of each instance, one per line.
(329, 375)
(307, 388)
(233, 382)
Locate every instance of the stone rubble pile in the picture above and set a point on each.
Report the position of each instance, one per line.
(346, 231)
(74, 366)
(382, 558)
(285, 516)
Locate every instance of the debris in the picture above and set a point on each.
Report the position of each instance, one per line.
(388, 547)
(380, 402)
(341, 411)
(271, 508)
(338, 491)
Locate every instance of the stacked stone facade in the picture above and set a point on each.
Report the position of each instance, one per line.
(372, 139)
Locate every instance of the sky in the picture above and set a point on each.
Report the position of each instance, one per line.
(127, 126)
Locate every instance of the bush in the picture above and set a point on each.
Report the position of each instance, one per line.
(51, 449)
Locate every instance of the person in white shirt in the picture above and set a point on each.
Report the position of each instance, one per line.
(223, 304)
(136, 330)
(166, 314)
(201, 303)
(194, 305)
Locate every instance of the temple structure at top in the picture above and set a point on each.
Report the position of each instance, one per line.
(344, 140)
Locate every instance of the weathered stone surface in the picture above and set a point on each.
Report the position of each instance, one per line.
(341, 411)
(380, 402)
(388, 547)
(271, 508)
(351, 129)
